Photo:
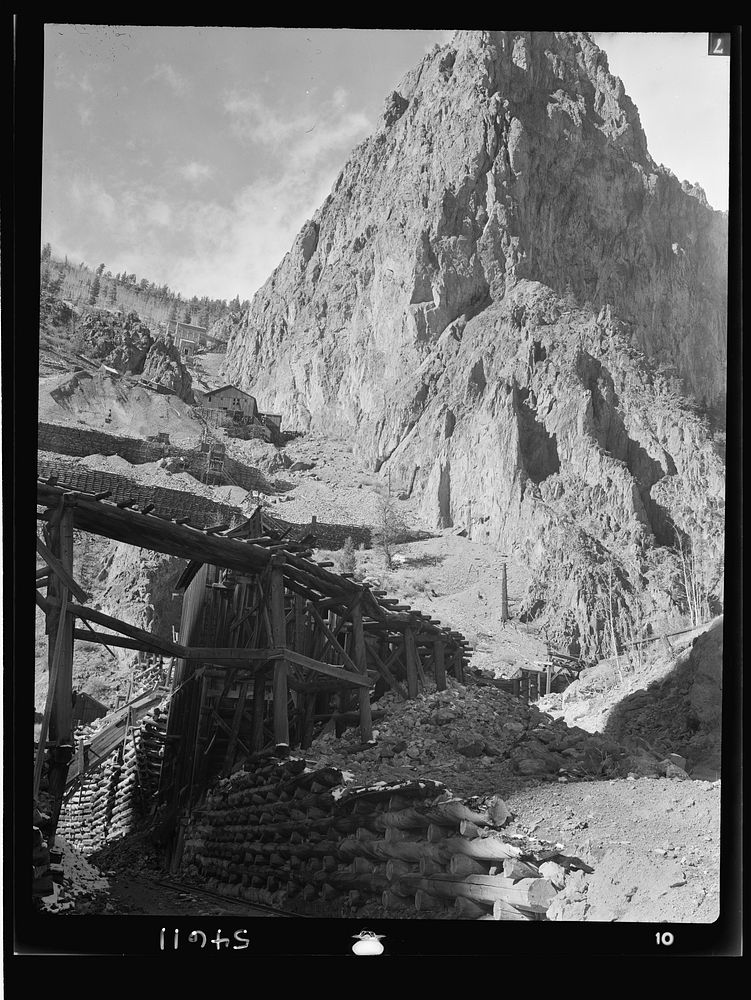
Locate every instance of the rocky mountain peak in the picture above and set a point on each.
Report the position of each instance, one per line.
(483, 297)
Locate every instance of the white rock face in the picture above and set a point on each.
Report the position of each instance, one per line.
(475, 299)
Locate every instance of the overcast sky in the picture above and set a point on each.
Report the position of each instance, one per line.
(192, 156)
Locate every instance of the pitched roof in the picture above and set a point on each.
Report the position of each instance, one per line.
(221, 388)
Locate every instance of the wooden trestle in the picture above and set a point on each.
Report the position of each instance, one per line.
(270, 640)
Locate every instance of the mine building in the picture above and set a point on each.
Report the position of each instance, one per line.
(189, 338)
(230, 399)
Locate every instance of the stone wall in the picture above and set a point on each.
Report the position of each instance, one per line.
(81, 441)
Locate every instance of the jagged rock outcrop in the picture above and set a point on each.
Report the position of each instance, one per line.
(163, 365)
(475, 301)
(126, 343)
(119, 341)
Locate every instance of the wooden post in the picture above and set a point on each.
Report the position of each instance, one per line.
(51, 687)
(504, 594)
(300, 624)
(62, 712)
(440, 665)
(409, 659)
(61, 666)
(278, 625)
(548, 676)
(361, 659)
(458, 665)
(259, 689)
(307, 722)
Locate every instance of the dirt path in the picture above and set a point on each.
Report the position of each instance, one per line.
(653, 844)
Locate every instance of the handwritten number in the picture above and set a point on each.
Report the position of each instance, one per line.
(244, 941)
(718, 49)
(219, 940)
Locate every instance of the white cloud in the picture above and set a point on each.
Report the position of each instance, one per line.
(339, 98)
(169, 75)
(159, 213)
(84, 113)
(89, 196)
(217, 247)
(309, 135)
(194, 171)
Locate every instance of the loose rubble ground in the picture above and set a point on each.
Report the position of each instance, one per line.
(472, 738)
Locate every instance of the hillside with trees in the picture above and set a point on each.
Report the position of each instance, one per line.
(66, 285)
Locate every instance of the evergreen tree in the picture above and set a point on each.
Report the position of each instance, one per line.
(55, 284)
(46, 251)
(100, 271)
(94, 295)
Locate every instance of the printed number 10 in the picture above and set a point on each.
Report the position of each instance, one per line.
(664, 937)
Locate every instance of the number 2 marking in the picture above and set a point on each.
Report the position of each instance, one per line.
(718, 49)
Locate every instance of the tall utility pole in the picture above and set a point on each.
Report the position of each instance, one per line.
(504, 592)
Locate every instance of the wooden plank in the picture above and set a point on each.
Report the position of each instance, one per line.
(210, 654)
(62, 711)
(236, 721)
(107, 738)
(532, 895)
(132, 631)
(366, 721)
(278, 625)
(332, 639)
(386, 673)
(104, 639)
(300, 624)
(348, 678)
(54, 564)
(51, 688)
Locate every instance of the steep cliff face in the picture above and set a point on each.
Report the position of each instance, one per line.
(476, 298)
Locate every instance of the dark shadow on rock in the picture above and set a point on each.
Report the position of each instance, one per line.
(680, 713)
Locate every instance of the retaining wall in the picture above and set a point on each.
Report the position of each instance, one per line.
(202, 512)
(81, 441)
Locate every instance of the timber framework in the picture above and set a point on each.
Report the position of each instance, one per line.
(270, 642)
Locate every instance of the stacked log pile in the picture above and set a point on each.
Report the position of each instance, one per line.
(110, 801)
(288, 836)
